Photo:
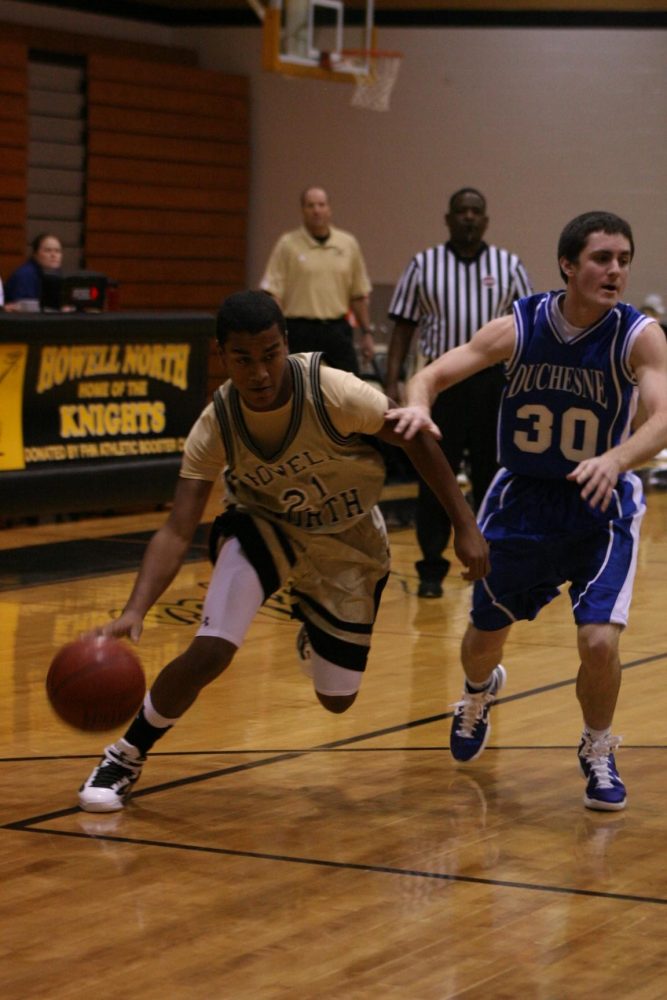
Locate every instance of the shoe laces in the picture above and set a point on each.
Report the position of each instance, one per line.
(471, 709)
(303, 646)
(598, 756)
(114, 769)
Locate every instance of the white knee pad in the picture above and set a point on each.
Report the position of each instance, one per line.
(332, 680)
(234, 596)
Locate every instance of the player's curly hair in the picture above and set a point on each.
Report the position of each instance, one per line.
(248, 312)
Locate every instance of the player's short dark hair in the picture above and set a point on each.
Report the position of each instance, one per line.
(465, 190)
(248, 312)
(573, 238)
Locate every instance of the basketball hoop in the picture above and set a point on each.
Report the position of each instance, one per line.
(375, 76)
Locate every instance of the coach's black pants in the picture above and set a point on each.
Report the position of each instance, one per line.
(467, 415)
(331, 336)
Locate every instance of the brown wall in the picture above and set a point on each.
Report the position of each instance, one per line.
(13, 153)
(167, 193)
(166, 175)
(167, 172)
(520, 113)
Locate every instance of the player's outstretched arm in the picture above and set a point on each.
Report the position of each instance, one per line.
(492, 344)
(163, 557)
(433, 467)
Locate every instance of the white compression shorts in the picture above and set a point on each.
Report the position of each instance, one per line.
(233, 599)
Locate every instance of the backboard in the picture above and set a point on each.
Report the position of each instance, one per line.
(313, 38)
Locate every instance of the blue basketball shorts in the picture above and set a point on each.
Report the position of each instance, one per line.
(541, 535)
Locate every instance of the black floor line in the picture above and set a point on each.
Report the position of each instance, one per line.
(250, 751)
(367, 868)
(346, 742)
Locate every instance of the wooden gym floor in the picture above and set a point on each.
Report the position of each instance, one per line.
(275, 851)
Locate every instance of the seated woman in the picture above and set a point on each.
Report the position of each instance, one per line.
(25, 284)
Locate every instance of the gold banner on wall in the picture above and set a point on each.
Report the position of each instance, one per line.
(12, 369)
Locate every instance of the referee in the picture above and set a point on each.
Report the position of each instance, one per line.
(448, 292)
(317, 275)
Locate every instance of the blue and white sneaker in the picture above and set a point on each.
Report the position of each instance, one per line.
(470, 726)
(604, 788)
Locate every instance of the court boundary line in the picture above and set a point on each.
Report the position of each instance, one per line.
(250, 751)
(343, 743)
(359, 867)
(34, 824)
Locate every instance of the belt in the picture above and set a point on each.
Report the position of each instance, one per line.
(309, 319)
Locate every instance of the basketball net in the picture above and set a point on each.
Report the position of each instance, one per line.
(373, 89)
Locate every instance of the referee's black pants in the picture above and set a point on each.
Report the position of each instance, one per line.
(334, 337)
(467, 415)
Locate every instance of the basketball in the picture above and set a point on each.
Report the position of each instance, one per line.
(95, 684)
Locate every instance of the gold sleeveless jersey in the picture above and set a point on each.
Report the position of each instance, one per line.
(318, 480)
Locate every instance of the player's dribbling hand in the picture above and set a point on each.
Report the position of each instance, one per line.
(410, 420)
(129, 624)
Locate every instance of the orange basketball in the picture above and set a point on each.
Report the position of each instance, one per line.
(95, 684)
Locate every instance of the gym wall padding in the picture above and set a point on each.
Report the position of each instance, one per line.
(13, 154)
(168, 181)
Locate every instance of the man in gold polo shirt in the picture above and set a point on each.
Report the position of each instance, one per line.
(317, 275)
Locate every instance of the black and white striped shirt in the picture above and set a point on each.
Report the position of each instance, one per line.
(450, 297)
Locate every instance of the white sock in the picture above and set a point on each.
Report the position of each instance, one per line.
(596, 734)
(127, 749)
(480, 687)
(153, 717)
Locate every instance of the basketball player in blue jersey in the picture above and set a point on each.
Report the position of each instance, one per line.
(302, 481)
(564, 505)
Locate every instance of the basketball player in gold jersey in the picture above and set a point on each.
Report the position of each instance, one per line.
(303, 481)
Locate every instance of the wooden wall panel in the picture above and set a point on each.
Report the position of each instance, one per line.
(125, 95)
(14, 55)
(182, 296)
(13, 106)
(229, 272)
(12, 160)
(10, 238)
(103, 221)
(168, 178)
(14, 133)
(148, 73)
(13, 215)
(149, 123)
(163, 196)
(199, 248)
(135, 171)
(226, 154)
(13, 154)
(12, 78)
(14, 187)
(56, 181)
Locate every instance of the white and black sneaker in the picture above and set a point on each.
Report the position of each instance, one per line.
(109, 786)
(303, 647)
(304, 651)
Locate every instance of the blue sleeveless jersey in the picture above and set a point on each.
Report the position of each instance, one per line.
(565, 401)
